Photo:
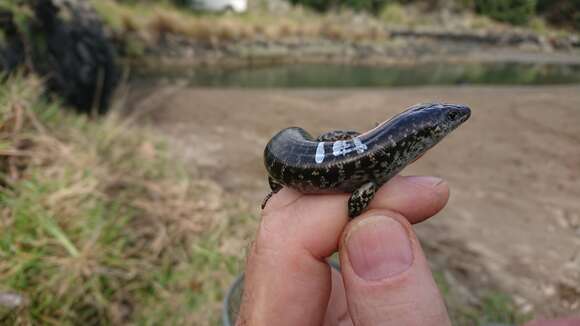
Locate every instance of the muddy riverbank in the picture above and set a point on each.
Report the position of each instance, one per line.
(384, 47)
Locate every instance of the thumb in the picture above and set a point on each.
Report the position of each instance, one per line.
(386, 277)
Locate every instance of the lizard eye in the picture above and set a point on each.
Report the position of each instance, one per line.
(452, 115)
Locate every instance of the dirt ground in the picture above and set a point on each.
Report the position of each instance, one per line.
(513, 221)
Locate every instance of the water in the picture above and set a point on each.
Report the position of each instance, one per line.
(336, 76)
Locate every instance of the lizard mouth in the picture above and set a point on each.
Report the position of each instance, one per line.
(463, 113)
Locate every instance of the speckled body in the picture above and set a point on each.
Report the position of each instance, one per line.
(346, 161)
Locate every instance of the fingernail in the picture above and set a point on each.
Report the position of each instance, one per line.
(378, 248)
(426, 181)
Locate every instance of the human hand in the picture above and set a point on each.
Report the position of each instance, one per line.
(288, 281)
(385, 278)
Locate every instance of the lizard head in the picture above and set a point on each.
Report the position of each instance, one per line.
(439, 119)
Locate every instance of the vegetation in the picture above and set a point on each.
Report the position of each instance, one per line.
(561, 12)
(516, 12)
(373, 6)
(139, 26)
(493, 307)
(100, 227)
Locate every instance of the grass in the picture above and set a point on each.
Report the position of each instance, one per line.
(493, 307)
(99, 226)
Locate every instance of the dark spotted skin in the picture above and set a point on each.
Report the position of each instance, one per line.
(346, 161)
(360, 198)
(338, 135)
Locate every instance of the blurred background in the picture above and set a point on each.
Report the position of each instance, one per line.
(132, 134)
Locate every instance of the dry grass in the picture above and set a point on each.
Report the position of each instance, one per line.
(165, 23)
(155, 23)
(332, 31)
(99, 227)
(128, 24)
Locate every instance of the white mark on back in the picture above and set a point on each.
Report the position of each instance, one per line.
(339, 148)
(359, 146)
(343, 147)
(319, 157)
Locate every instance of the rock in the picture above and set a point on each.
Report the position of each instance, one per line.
(73, 55)
(12, 51)
(12, 300)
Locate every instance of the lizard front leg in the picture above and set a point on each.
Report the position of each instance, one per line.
(360, 198)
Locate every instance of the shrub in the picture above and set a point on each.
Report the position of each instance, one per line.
(318, 5)
(465, 4)
(517, 12)
(394, 13)
(561, 12)
(372, 6)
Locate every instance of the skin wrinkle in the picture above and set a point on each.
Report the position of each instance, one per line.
(305, 267)
(302, 212)
(268, 247)
(431, 189)
(395, 311)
